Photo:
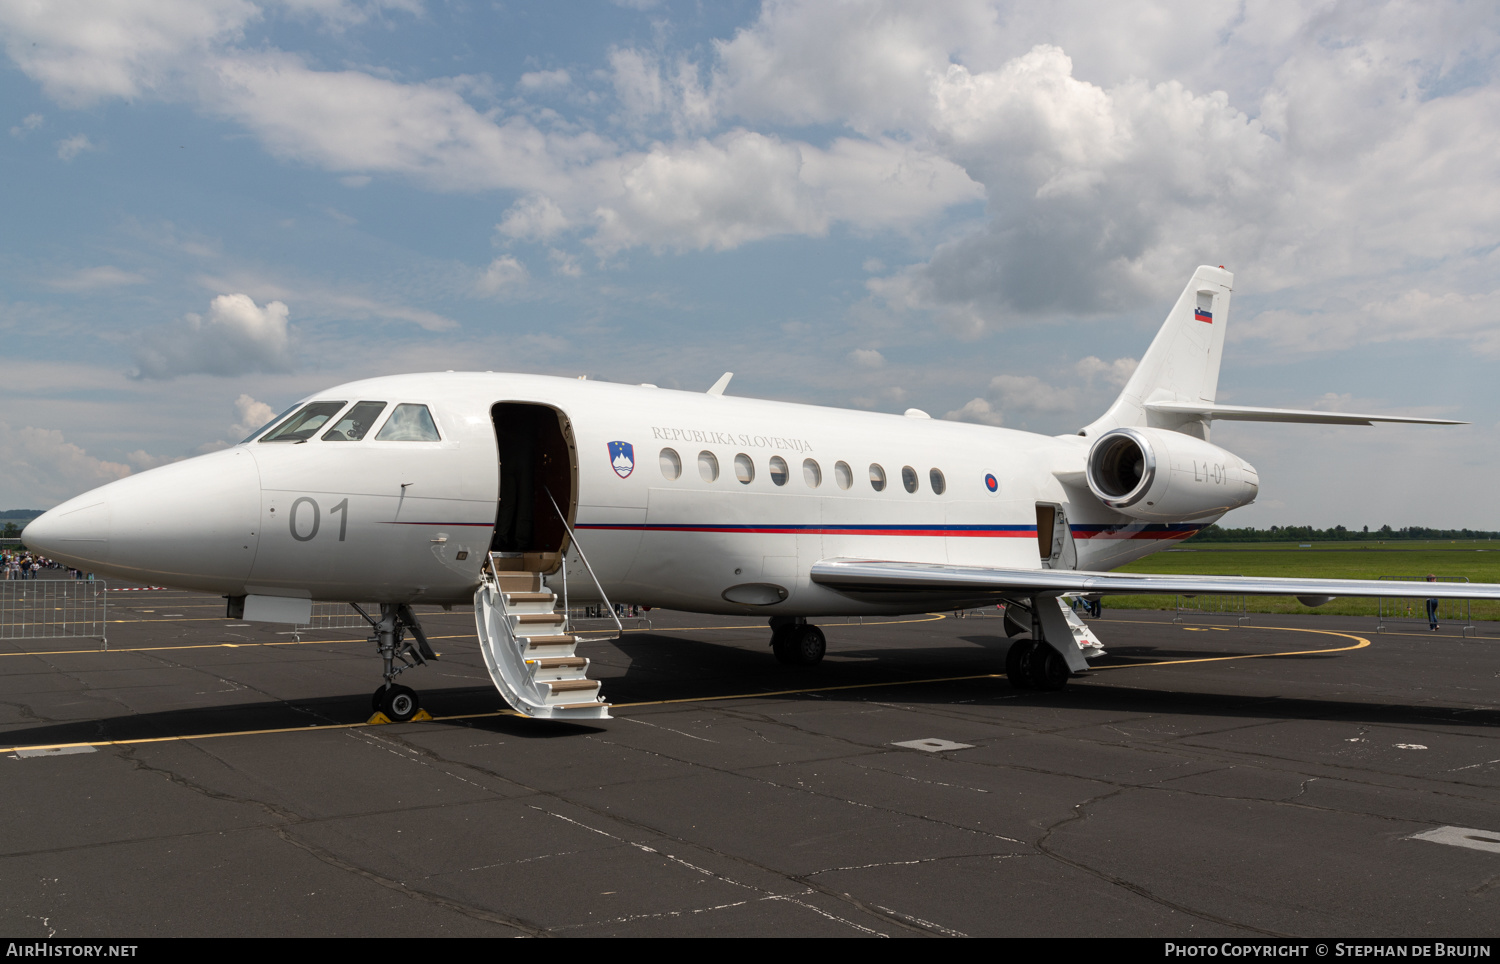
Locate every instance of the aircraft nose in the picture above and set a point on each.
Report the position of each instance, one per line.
(76, 532)
(189, 524)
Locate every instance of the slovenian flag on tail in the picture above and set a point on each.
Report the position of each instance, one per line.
(1203, 314)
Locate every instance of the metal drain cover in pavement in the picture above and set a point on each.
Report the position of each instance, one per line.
(933, 745)
(1463, 837)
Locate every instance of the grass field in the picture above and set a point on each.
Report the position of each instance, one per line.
(1479, 561)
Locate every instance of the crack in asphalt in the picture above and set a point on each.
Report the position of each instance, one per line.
(1080, 813)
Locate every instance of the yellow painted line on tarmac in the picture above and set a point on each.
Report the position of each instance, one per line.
(1360, 643)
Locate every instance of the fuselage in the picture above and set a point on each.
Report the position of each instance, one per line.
(710, 503)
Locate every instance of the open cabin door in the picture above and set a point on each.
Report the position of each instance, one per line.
(1054, 537)
(538, 456)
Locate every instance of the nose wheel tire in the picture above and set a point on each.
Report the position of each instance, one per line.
(799, 645)
(398, 703)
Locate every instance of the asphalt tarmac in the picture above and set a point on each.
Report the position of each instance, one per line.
(205, 777)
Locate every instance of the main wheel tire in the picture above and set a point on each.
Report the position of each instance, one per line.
(809, 645)
(1049, 671)
(399, 703)
(1018, 662)
(799, 645)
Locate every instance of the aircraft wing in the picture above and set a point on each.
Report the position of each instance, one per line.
(1251, 413)
(942, 579)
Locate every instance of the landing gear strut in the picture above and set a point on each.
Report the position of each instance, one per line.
(398, 703)
(796, 642)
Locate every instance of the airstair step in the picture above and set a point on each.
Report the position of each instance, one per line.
(533, 619)
(530, 597)
(558, 662)
(596, 704)
(556, 640)
(518, 581)
(555, 669)
(570, 689)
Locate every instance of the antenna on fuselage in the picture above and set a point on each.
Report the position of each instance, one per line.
(721, 384)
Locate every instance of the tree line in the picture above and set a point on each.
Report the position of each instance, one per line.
(1215, 533)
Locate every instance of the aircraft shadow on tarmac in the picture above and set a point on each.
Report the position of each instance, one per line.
(674, 667)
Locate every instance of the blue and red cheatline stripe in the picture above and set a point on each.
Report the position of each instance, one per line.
(950, 531)
(1153, 530)
(1137, 531)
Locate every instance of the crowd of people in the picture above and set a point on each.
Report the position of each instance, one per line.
(20, 563)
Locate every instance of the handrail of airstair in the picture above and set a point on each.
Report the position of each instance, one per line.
(573, 536)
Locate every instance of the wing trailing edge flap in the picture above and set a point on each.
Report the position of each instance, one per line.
(942, 579)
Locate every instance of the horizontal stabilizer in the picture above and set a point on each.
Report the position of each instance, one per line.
(941, 579)
(1250, 413)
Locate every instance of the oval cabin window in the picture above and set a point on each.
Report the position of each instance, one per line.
(877, 477)
(744, 469)
(811, 474)
(671, 464)
(708, 466)
(843, 474)
(779, 470)
(939, 484)
(909, 478)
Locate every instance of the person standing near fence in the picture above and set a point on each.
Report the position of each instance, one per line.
(1432, 607)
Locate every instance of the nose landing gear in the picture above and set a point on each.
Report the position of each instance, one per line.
(397, 704)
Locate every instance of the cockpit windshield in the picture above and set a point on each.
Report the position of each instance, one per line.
(300, 427)
(354, 425)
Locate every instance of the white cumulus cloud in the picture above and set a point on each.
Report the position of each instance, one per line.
(40, 468)
(235, 337)
(504, 274)
(251, 415)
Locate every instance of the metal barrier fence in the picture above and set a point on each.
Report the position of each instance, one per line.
(1210, 607)
(334, 615)
(1399, 612)
(53, 609)
(578, 615)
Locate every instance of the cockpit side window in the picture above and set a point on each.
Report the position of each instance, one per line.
(409, 423)
(302, 426)
(356, 423)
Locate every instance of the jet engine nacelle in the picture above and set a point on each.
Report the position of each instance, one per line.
(1165, 476)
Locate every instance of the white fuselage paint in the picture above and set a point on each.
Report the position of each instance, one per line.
(388, 521)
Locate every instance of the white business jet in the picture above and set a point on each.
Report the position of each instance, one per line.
(528, 494)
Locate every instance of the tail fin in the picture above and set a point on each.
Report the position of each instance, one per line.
(1182, 364)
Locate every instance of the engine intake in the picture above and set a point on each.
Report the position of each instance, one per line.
(1165, 476)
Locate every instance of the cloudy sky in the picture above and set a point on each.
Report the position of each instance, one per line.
(214, 207)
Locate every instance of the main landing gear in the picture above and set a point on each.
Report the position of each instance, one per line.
(796, 642)
(1036, 662)
(398, 703)
(1035, 666)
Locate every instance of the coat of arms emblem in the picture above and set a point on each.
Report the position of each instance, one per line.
(622, 458)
